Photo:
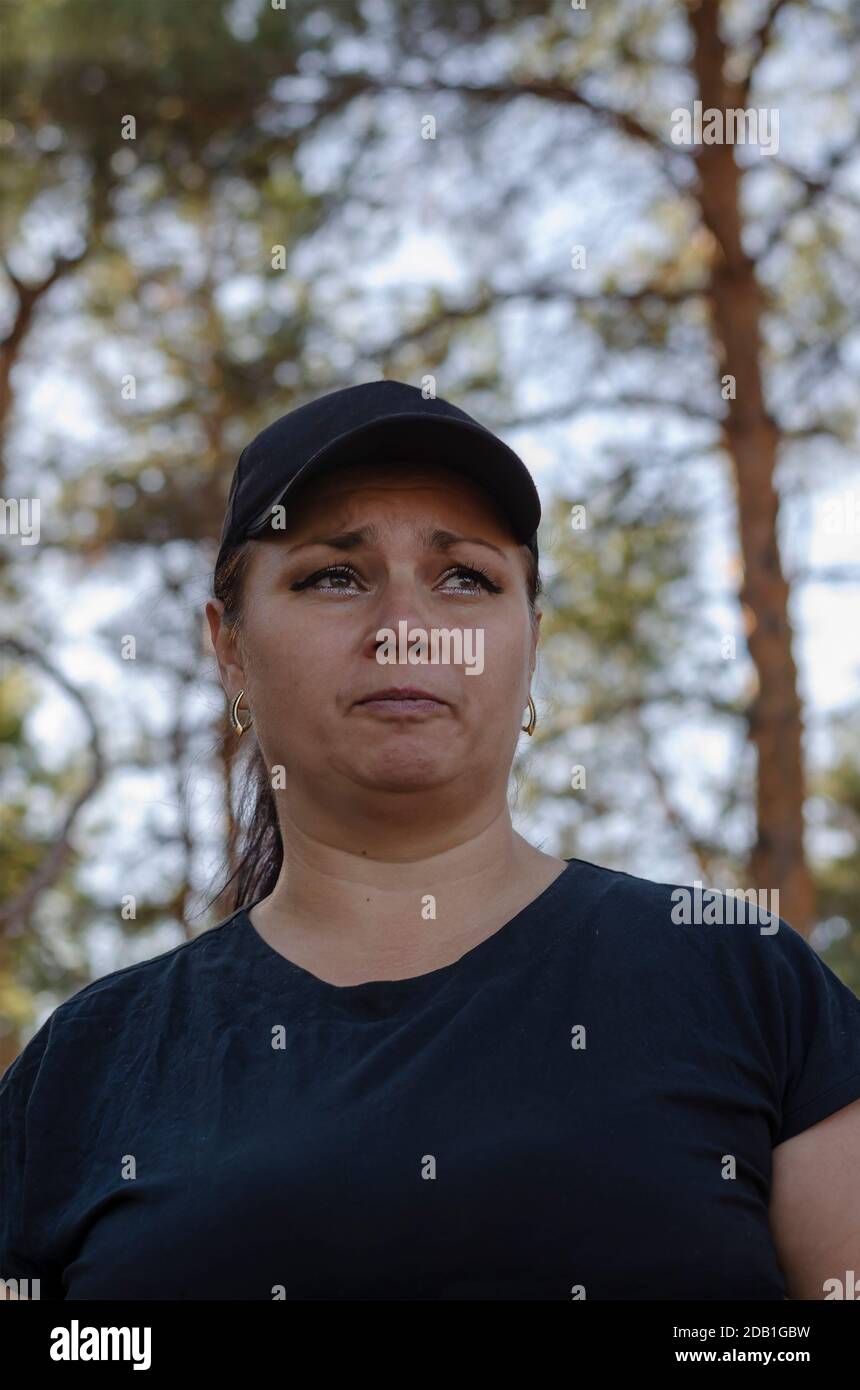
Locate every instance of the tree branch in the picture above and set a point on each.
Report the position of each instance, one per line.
(539, 292)
(813, 190)
(630, 400)
(27, 297)
(761, 42)
(558, 94)
(672, 812)
(15, 914)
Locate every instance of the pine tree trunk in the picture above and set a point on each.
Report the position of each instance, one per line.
(775, 716)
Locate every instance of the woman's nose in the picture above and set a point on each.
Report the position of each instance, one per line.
(403, 596)
(403, 605)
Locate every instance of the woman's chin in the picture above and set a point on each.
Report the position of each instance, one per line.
(405, 769)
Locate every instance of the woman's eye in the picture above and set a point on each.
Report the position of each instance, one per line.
(476, 579)
(339, 577)
(344, 579)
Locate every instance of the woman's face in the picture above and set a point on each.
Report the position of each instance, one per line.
(368, 548)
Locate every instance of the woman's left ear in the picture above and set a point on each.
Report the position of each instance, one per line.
(535, 635)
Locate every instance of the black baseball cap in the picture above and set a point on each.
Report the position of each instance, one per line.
(377, 420)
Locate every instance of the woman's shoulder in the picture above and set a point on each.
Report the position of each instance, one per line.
(726, 967)
(694, 931)
(119, 1000)
(629, 900)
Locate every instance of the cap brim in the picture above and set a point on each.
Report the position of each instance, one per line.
(414, 436)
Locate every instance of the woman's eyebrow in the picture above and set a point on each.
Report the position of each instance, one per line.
(443, 540)
(344, 540)
(436, 539)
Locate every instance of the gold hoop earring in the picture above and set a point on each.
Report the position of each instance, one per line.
(530, 727)
(234, 716)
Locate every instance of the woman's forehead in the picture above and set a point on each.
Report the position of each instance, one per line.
(348, 487)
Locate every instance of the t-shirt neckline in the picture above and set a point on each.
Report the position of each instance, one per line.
(281, 969)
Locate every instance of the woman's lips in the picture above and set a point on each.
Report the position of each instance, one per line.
(402, 706)
(396, 702)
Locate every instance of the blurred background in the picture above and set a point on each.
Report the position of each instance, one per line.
(215, 211)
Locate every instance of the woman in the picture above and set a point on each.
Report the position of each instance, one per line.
(423, 1059)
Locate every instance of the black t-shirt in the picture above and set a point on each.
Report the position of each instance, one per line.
(582, 1105)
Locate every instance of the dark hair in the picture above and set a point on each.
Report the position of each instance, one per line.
(255, 838)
